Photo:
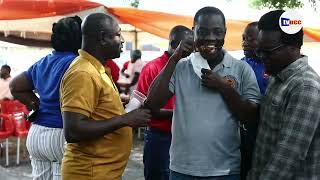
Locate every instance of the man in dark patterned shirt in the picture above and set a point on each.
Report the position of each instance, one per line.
(288, 141)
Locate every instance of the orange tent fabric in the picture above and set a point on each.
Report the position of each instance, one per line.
(27, 9)
(161, 23)
(153, 22)
(313, 33)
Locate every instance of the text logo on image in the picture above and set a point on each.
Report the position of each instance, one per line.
(290, 22)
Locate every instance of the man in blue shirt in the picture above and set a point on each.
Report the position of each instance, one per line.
(249, 132)
(249, 46)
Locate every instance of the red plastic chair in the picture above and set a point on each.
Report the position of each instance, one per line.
(21, 130)
(6, 131)
(17, 110)
(13, 106)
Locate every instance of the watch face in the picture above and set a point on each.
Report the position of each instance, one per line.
(231, 80)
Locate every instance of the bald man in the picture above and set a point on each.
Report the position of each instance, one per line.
(96, 127)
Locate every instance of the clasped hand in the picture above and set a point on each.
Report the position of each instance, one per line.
(212, 80)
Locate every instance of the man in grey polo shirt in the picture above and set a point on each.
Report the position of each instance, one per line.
(213, 93)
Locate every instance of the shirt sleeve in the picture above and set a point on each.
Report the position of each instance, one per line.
(250, 89)
(145, 79)
(298, 127)
(79, 93)
(31, 74)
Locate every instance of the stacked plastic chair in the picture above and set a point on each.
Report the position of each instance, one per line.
(16, 111)
(21, 130)
(6, 131)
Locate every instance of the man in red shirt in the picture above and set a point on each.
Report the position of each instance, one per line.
(158, 136)
(125, 67)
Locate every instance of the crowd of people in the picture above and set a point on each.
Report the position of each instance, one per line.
(208, 115)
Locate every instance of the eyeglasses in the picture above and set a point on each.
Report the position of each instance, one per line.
(267, 52)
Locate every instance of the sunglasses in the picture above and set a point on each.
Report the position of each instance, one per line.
(267, 52)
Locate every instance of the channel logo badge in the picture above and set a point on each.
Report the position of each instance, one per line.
(290, 22)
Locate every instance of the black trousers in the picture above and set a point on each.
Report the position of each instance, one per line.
(248, 138)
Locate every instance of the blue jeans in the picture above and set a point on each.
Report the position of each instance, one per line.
(156, 157)
(179, 176)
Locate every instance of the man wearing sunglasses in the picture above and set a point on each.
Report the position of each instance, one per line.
(288, 140)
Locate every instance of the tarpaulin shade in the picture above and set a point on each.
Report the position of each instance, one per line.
(156, 23)
(313, 33)
(161, 23)
(27, 9)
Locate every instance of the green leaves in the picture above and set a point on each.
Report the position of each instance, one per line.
(281, 4)
(135, 3)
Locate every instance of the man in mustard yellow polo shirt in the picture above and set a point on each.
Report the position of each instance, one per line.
(96, 127)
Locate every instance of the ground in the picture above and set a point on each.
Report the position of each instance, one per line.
(134, 170)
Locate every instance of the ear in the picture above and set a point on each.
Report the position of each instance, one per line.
(102, 37)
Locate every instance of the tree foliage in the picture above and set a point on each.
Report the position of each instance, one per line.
(134, 3)
(281, 4)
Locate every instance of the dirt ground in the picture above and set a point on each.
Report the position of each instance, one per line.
(134, 170)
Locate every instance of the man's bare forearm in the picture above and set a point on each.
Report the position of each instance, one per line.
(27, 98)
(80, 128)
(163, 114)
(135, 79)
(159, 92)
(244, 110)
(22, 90)
(86, 129)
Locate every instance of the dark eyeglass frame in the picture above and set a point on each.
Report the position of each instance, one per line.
(268, 52)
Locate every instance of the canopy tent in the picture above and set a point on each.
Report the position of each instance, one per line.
(29, 22)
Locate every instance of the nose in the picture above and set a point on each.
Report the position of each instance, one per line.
(122, 39)
(244, 43)
(211, 36)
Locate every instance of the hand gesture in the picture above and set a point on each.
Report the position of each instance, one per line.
(184, 49)
(138, 118)
(211, 80)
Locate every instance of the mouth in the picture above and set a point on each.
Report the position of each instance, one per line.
(246, 48)
(210, 48)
